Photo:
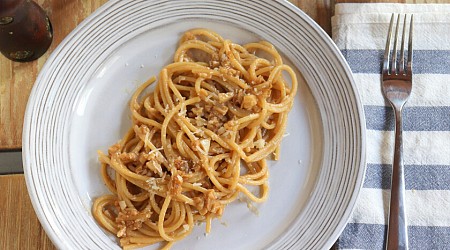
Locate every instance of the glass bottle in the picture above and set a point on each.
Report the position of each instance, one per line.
(25, 30)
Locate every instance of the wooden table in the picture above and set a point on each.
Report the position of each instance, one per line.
(19, 226)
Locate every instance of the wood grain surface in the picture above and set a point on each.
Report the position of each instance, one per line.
(19, 226)
(17, 79)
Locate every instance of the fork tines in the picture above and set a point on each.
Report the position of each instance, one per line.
(392, 67)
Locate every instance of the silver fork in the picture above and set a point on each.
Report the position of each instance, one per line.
(396, 86)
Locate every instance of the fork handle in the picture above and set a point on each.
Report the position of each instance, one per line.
(397, 237)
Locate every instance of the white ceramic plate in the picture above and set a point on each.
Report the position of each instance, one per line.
(79, 105)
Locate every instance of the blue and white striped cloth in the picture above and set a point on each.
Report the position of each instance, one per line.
(360, 31)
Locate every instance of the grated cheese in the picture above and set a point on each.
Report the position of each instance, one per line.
(122, 205)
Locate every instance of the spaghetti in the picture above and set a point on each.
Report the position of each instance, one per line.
(197, 141)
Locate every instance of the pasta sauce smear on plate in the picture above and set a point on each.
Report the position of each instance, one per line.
(198, 141)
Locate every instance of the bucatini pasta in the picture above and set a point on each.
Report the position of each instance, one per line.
(197, 141)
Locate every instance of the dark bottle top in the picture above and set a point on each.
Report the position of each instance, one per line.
(25, 30)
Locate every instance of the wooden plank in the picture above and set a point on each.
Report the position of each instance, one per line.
(17, 79)
(319, 10)
(19, 226)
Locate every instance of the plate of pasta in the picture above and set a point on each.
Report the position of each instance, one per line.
(194, 125)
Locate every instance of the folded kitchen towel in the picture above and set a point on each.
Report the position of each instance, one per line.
(360, 32)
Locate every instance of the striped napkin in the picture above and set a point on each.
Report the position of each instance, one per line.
(360, 31)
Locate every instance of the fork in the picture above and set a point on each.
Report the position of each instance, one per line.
(396, 87)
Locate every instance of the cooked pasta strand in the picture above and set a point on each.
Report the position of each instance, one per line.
(197, 142)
